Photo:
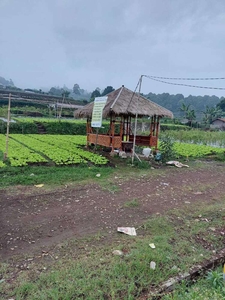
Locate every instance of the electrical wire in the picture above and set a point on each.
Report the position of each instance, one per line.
(183, 78)
(187, 85)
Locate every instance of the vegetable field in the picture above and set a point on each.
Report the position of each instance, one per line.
(43, 149)
(36, 149)
(195, 150)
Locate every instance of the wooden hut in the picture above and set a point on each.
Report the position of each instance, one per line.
(122, 105)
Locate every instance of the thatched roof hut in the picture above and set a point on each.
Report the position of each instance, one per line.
(125, 102)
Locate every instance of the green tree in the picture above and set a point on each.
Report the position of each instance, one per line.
(56, 91)
(65, 93)
(108, 90)
(95, 94)
(221, 104)
(76, 89)
(210, 114)
(189, 113)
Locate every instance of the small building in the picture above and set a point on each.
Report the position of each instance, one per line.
(121, 107)
(219, 123)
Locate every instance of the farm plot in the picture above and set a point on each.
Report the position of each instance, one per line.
(72, 142)
(19, 155)
(194, 150)
(62, 150)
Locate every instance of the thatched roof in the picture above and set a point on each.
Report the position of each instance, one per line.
(125, 102)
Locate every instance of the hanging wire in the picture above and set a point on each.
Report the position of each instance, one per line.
(187, 85)
(183, 78)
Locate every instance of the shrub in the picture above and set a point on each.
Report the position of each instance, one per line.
(167, 147)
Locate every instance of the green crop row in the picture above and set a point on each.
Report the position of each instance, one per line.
(62, 150)
(19, 155)
(194, 150)
(58, 155)
(72, 142)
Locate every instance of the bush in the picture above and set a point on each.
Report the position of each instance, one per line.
(167, 147)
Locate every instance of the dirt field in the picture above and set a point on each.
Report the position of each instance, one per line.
(35, 220)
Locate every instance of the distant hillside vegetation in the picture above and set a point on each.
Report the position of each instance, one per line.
(174, 102)
(6, 82)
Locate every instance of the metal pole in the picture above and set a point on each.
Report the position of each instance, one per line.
(135, 124)
(7, 131)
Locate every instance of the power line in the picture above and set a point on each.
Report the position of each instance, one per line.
(183, 78)
(187, 85)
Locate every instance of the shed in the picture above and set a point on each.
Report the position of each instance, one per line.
(219, 123)
(121, 106)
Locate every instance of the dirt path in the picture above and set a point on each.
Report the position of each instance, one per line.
(31, 222)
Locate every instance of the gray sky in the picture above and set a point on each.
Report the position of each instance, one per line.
(96, 43)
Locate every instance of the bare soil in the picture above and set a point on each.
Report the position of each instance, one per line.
(35, 220)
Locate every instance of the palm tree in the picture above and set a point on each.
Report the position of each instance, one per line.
(210, 114)
(189, 114)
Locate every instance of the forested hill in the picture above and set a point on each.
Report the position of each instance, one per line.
(174, 102)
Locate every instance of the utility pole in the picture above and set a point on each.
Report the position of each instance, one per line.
(7, 131)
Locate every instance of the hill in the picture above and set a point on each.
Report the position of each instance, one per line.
(174, 102)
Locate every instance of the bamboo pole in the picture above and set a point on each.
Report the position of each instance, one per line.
(135, 125)
(7, 130)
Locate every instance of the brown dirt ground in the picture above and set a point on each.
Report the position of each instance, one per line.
(35, 220)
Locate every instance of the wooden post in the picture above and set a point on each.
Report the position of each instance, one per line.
(113, 134)
(7, 131)
(96, 141)
(121, 128)
(87, 131)
(136, 117)
(60, 111)
(157, 132)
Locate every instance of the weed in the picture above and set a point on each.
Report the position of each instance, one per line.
(132, 203)
(215, 278)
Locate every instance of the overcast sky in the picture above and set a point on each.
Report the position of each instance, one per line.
(96, 43)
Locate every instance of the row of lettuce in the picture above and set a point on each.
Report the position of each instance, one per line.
(68, 150)
(43, 149)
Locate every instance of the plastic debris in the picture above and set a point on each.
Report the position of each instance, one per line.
(117, 252)
(176, 164)
(158, 156)
(39, 185)
(152, 265)
(122, 154)
(152, 245)
(98, 175)
(127, 230)
(146, 152)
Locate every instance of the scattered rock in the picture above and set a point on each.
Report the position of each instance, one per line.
(117, 252)
(152, 265)
(212, 228)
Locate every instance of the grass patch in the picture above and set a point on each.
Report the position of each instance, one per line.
(98, 274)
(132, 203)
(209, 287)
(30, 175)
